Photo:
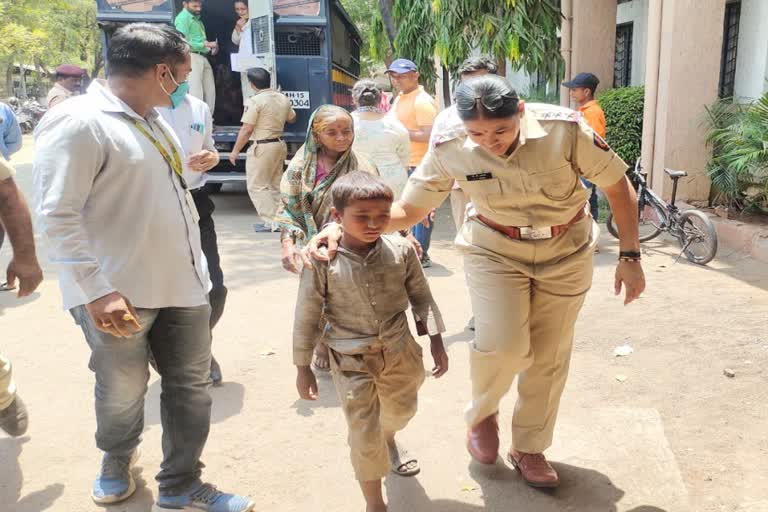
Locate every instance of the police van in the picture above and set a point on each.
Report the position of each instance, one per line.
(311, 47)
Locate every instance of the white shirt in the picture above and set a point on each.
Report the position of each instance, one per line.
(447, 124)
(193, 124)
(115, 214)
(387, 144)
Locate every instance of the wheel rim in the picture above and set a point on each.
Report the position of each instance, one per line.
(696, 238)
(649, 221)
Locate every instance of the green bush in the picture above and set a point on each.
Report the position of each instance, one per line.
(738, 136)
(623, 109)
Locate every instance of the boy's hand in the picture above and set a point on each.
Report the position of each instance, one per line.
(306, 383)
(439, 355)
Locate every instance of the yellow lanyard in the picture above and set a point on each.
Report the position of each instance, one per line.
(175, 162)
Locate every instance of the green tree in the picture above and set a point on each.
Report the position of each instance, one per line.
(376, 46)
(521, 31)
(46, 33)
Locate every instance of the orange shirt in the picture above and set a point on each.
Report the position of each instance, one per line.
(415, 110)
(594, 117)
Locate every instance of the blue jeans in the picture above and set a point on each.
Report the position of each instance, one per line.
(593, 206)
(180, 341)
(420, 232)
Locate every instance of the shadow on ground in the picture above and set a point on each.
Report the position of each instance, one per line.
(502, 489)
(12, 480)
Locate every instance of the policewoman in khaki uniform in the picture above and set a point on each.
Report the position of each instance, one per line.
(528, 245)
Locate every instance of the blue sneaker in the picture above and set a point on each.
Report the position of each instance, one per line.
(205, 498)
(115, 482)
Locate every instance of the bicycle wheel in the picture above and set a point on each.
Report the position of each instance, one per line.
(698, 237)
(650, 222)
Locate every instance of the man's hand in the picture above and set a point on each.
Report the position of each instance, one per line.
(429, 218)
(203, 161)
(306, 383)
(115, 315)
(416, 244)
(290, 256)
(328, 237)
(439, 356)
(630, 274)
(29, 273)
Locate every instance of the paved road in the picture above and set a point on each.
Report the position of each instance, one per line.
(675, 436)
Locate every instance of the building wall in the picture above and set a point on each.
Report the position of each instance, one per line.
(636, 12)
(752, 57)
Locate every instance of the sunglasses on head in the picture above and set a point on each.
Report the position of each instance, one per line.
(490, 102)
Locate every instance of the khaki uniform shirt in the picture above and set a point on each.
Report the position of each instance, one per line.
(537, 185)
(6, 171)
(268, 111)
(364, 299)
(58, 94)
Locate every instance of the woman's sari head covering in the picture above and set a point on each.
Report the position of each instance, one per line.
(298, 188)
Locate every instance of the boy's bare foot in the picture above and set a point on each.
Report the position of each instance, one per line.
(320, 361)
(403, 464)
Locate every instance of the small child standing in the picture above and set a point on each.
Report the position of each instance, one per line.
(376, 364)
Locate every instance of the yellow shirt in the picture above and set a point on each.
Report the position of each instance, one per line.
(268, 111)
(416, 110)
(594, 116)
(538, 185)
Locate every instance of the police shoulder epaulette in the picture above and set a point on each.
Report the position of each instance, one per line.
(553, 113)
(449, 135)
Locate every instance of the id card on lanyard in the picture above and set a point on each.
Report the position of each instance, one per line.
(173, 159)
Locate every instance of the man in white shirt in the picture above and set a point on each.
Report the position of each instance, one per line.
(448, 123)
(193, 124)
(122, 228)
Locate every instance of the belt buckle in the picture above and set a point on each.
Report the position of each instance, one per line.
(529, 233)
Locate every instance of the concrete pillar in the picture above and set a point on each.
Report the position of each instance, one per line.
(593, 40)
(689, 70)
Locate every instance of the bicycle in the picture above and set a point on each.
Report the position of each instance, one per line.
(692, 228)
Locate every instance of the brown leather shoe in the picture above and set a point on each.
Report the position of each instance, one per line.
(534, 468)
(483, 440)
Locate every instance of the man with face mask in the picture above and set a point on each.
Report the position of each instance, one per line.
(122, 228)
(192, 121)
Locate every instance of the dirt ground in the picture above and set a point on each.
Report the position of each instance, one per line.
(672, 433)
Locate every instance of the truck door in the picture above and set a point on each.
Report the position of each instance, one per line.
(257, 50)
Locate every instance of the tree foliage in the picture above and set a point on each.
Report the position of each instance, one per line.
(376, 45)
(521, 31)
(46, 33)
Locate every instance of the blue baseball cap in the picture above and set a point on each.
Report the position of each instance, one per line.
(587, 80)
(402, 66)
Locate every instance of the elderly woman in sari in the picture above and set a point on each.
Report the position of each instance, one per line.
(325, 156)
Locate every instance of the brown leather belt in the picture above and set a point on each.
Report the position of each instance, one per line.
(529, 233)
(267, 141)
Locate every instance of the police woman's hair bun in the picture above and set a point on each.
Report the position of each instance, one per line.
(488, 96)
(366, 93)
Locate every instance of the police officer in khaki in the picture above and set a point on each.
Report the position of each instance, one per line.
(528, 245)
(264, 123)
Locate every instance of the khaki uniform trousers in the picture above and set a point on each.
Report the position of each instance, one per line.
(7, 386)
(201, 82)
(459, 201)
(526, 295)
(263, 170)
(378, 392)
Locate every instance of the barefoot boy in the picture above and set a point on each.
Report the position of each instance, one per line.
(376, 364)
